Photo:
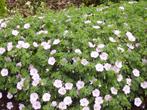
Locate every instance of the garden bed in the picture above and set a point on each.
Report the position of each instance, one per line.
(75, 59)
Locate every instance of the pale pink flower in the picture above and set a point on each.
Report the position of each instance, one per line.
(137, 101)
(46, 45)
(96, 92)
(67, 100)
(136, 72)
(103, 56)
(15, 32)
(62, 91)
(36, 105)
(51, 61)
(85, 108)
(9, 95)
(4, 72)
(54, 104)
(56, 41)
(84, 62)
(119, 78)
(9, 105)
(57, 83)
(46, 97)
(99, 67)
(68, 86)
(118, 64)
(130, 36)
(78, 51)
(126, 89)
(84, 102)
(2, 50)
(33, 97)
(108, 97)
(128, 81)
(9, 46)
(21, 106)
(1, 95)
(94, 54)
(144, 85)
(99, 100)
(80, 85)
(53, 52)
(27, 26)
(107, 66)
(97, 107)
(62, 106)
(113, 90)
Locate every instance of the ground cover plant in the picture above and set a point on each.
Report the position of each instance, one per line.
(87, 58)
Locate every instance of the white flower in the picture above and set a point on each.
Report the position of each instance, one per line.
(35, 44)
(67, 100)
(80, 85)
(1, 95)
(144, 85)
(62, 106)
(84, 102)
(100, 46)
(96, 93)
(68, 86)
(130, 36)
(112, 39)
(137, 101)
(4, 72)
(2, 50)
(126, 89)
(46, 45)
(107, 66)
(91, 45)
(51, 61)
(46, 97)
(116, 32)
(33, 71)
(130, 46)
(56, 41)
(27, 26)
(99, 67)
(113, 91)
(94, 54)
(103, 56)
(15, 32)
(121, 49)
(87, 21)
(119, 78)
(115, 69)
(136, 72)
(100, 22)
(78, 51)
(54, 104)
(118, 64)
(9, 105)
(84, 62)
(26, 45)
(53, 52)
(57, 83)
(99, 100)
(9, 46)
(85, 108)
(36, 105)
(97, 107)
(21, 106)
(3, 25)
(33, 97)
(122, 8)
(96, 27)
(9, 96)
(128, 81)
(108, 97)
(62, 91)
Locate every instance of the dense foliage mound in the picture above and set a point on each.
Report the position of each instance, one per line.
(76, 59)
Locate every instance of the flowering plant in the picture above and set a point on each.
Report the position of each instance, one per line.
(76, 59)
